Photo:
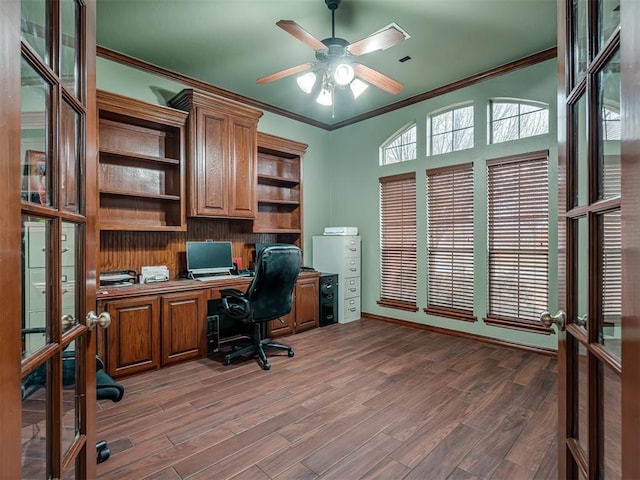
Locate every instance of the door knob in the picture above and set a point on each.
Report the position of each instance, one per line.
(68, 321)
(559, 319)
(103, 320)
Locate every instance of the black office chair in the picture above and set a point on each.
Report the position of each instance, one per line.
(268, 297)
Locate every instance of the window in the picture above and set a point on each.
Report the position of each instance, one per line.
(452, 130)
(398, 241)
(511, 120)
(401, 147)
(518, 223)
(450, 241)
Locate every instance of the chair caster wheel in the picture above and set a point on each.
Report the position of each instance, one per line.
(103, 451)
(226, 360)
(290, 353)
(266, 366)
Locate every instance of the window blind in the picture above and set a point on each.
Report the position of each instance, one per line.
(450, 240)
(518, 224)
(398, 241)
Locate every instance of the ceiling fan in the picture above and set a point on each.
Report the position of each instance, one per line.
(335, 64)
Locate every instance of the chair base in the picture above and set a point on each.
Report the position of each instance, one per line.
(257, 347)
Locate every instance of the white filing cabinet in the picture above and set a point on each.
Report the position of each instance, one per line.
(35, 279)
(341, 254)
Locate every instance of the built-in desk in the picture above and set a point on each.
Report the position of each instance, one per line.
(159, 324)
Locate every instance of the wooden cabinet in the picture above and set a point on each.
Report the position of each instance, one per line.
(279, 185)
(156, 325)
(183, 326)
(304, 313)
(222, 155)
(133, 338)
(141, 165)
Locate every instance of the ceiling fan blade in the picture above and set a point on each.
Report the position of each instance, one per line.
(378, 41)
(378, 79)
(285, 73)
(301, 34)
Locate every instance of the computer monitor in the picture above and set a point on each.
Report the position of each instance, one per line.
(207, 258)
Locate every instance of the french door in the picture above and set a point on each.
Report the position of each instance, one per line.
(48, 243)
(599, 227)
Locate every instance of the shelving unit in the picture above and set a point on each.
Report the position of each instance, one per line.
(141, 165)
(279, 185)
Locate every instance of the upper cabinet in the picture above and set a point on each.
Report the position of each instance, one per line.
(279, 185)
(222, 155)
(141, 165)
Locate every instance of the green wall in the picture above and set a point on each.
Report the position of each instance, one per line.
(341, 171)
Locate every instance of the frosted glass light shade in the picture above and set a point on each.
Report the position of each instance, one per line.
(358, 87)
(306, 81)
(325, 98)
(343, 74)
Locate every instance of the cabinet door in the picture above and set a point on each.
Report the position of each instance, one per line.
(183, 326)
(243, 159)
(306, 304)
(211, 194)
(133, 339)
(277, 328)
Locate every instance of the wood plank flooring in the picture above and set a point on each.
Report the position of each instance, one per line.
(364, 400)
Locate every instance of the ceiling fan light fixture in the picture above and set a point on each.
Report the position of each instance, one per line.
(358, 87)
(325, 97)
(343, 74)
(306, 82)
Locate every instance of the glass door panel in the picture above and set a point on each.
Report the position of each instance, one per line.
(608, 19)
(580, 170)
(34, 136)
(36, 327)
(35, 394)
(612, 423)
(610, 325)
(580, 43)
(70, 136)
(581, 263)
(609, 133)
(34, 26)
(69, 64)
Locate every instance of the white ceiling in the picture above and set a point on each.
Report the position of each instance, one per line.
(231, 43)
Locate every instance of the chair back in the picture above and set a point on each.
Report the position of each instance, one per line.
(270, 294)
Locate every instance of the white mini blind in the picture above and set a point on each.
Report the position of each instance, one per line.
(450, 240)
(518, 224)
(398, 240)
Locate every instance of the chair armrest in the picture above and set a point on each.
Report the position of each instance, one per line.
(231, 292)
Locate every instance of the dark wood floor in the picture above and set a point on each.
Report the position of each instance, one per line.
(365, 400)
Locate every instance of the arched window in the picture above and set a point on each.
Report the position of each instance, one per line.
(400, 147)
(514, 119)
(451, 130)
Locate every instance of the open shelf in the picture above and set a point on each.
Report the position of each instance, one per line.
(141, 165)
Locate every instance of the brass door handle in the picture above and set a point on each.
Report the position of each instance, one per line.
(103, 320)
(559, 319)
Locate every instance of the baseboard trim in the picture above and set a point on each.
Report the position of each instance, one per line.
(471, 336)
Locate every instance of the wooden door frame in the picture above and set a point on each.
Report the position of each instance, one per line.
(630, 154)
(10, 240)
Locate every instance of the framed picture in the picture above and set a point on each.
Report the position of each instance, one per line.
(34, 179)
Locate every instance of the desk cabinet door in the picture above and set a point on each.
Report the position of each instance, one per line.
(183, 326)
(307, 304)
(133, 336)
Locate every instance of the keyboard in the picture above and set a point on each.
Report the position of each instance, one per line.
(214, 278)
